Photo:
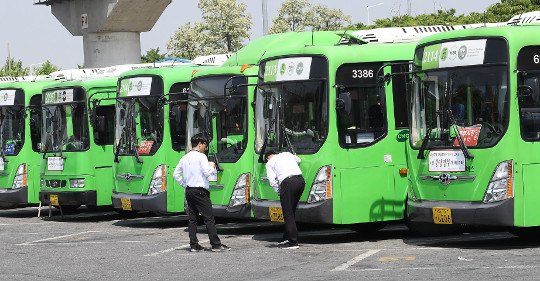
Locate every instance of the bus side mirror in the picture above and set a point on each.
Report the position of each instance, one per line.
(343, 103)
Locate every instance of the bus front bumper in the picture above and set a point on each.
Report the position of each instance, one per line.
(142, 202)
(238, 212)
(319, 212)
(87, 197)
(18, 195)
(465, 212)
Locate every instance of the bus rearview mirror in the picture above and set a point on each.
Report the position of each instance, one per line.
(343, 103)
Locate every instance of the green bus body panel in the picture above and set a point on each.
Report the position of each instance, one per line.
(365, 187)
(26, 155)
(93, 165)
(251, 55)
(526, 184)
(165, 155)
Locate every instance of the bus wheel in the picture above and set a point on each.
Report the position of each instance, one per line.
(7, 205)
(367, 228)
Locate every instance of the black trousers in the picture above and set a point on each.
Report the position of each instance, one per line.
(290, 191)
(198, 200)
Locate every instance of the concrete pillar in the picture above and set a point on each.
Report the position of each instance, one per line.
(110, 28)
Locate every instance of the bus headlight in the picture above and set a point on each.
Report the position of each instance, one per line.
(21, 177)
(159, 180)
(240, 193)
(501, 184)
(321, 189)
(76, 183)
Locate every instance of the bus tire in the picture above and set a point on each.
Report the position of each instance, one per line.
(526, 233)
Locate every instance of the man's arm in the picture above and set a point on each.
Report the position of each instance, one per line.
(177, 175)
(272, 178)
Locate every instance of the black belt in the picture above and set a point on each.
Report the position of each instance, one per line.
(293, 176)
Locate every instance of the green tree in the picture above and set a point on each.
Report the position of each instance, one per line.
(323, 18)
(224, 27)
(291, 16)
(46, 68)
(14, 68)
(152, 56)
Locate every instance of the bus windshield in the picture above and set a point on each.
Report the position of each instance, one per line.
(296, 111)
(138, 126)
(12, 129)
(208, 107)
(472, 100)
(65, 127)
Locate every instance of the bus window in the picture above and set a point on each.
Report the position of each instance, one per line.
(35, 122)
(401, 93)
(104, 126)
(178, 115)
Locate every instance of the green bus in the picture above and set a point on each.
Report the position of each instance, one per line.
(475, 127)
(76, 143)
(150, 122)
(221, 105)
(331, 106)
(20, 136)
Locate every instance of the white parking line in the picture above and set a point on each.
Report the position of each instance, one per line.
(53, 238)
(448, 268)
(355, 260)
(172, 249)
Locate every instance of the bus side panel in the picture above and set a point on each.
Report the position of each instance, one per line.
(374, 187)
(175, 193)
(103, 185)
(33, 183)
(531, 196)
(401, 186)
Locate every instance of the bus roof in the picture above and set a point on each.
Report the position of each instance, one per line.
(253, 52)
(180, 73)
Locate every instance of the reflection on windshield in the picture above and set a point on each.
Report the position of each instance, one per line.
(12, 129)
(214, 115)
(65, 128)
(299, 108)
(138, 126)
(472, 101)
(365, 123)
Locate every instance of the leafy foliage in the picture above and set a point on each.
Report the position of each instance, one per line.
(152, 56)
(17, 68)
(299, 15)
(224, 27)
(46, 68)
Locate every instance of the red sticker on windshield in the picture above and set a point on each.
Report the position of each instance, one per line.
(469, 135)
(145, 147)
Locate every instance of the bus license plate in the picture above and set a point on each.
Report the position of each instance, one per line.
(276, 214)
(442, 216)
(126, 204)
(54, 199)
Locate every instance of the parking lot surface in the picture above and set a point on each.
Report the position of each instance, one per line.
(105, 245)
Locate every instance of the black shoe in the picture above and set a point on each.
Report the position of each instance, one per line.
(220, 248)
(289, 246)
(196, 248)
(284, 242)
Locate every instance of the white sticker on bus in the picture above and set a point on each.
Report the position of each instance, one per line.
(7, 97)
(59, 96)
(446, 161)
(55, 163)
(461, 53)
(293, 69)
(137, 86)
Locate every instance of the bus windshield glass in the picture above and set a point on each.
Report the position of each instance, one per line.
(468, 95)
(139, 117)
(295, 109)
(65, 127)
(214, 114)
(12, 113)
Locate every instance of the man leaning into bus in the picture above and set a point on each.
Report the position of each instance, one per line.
(192, 173)
(286, 179)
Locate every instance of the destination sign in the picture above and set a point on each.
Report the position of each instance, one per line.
(7, 97)
(58, 96)
(287, 69)
(135, 86)
(454, 53)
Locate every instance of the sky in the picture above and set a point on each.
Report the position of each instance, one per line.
(34, 35)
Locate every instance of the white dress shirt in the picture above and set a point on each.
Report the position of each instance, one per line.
(193, 170)
(281, 166)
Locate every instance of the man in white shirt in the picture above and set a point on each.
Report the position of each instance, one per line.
(192, 173)
(286, 179)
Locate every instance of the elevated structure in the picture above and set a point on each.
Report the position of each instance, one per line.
(110, 28)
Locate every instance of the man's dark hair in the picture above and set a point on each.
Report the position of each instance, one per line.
(198, 138)
(268, 153)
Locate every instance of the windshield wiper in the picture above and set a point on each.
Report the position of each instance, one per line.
(133, 136)
(461, 142)
(426, 140)
(263, 148)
